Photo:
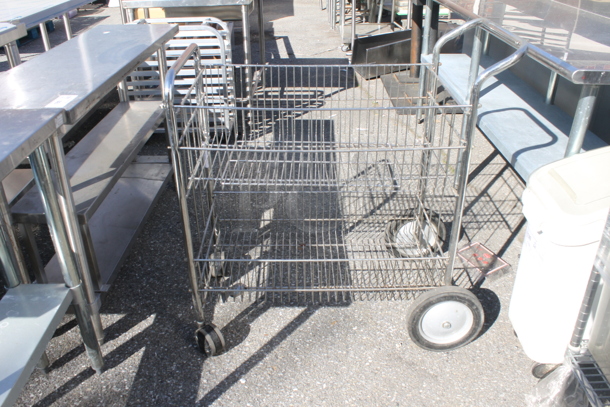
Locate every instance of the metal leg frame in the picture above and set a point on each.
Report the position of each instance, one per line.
(11, 257)
(475, 61)
(247, 51)
(59, 209)
(353, 25)
(67, 25)
(261, 30)
(13, 270)
(12, 54)
(471, 123)
(416, 37)
(76, 241)
(91, 258)
(582, 118)
(177, 167)
(430, 26)
(29, 241)
(590, 293)
(45, 36)
(550, 91)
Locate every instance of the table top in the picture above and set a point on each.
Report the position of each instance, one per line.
(573, 35)
(75, 75)
(11, 32)
(183, 3)
(34, 12)
(22, 131)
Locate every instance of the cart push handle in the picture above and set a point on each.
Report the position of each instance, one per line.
(476, 81)
(479, 24)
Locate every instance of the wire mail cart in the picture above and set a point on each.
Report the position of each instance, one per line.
(319, 188)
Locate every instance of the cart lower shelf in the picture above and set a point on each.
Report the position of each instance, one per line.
(330, 255)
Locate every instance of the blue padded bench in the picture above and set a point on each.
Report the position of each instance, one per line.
(513, 116)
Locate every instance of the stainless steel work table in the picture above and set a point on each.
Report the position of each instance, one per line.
(242, 4)
(9, 34)
(77, 74)
(74, 77)
(34, 13)
(570, 38)
(31, 313)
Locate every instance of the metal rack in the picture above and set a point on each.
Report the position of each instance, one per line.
(213, 38)
(31, 312)
(588, 355)
(34, 13)
(326, 192)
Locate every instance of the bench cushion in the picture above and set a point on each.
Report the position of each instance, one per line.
(513, 116)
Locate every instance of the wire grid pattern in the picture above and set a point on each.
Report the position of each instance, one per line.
(207, 32)
(297, 204)
(591, 378)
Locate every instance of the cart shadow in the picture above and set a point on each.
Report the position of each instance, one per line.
(153, 342)
(491, 307)
(257, 357)
(493, 213)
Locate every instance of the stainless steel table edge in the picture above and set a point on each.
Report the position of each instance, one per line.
(47, 14)
(46, 158)
(576, 75)
(146, 4)
(83, 94)
(74, 114)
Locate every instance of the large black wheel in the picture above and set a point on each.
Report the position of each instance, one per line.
(445, 318)
(210, 340)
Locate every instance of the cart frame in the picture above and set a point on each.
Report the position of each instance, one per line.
(312, 138)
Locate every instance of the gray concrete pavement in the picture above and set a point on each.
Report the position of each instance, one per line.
(357, 355)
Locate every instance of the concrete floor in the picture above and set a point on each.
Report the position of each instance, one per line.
(358, 355)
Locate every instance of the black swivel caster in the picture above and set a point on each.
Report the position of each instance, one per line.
(210, 340)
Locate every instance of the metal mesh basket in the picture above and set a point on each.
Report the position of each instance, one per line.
(326, 189)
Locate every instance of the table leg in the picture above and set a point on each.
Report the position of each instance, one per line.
(430, 26)
(45, 36)
(246, 32)
(67, 25)
(582, 118)
(342, 19)
(416, 37)
(57, 211)
(29, 241)
(74, 232)
(14, 270)
(261, 30)
(475, 59)
(550, 90)
(247, 51)
(12, 54)
(353, 39)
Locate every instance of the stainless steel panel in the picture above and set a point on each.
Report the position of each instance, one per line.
(10, 32)
(22, 131)
(225, 13)
(96, 163)
(30, 313)
(78, 73)
(120, 217)
(184, 3)
(571, 39)
(34, 12)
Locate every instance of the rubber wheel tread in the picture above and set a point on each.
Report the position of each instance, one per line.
(426, 301)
